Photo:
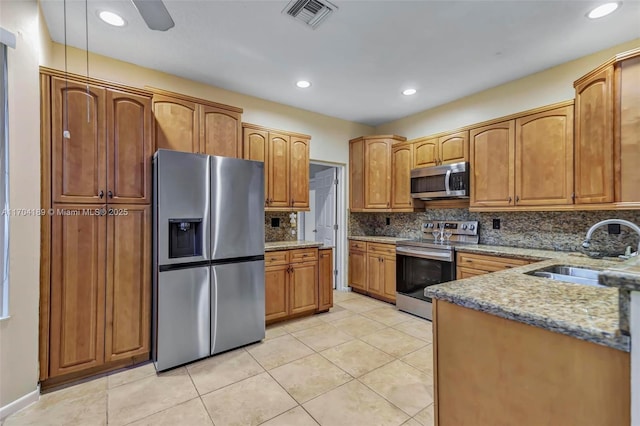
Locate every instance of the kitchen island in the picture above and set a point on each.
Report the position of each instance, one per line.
(511, 348)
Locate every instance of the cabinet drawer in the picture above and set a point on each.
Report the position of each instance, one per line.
(357, 245)
(303, 255)
(274, 258)
(381, 248)
(488, 263)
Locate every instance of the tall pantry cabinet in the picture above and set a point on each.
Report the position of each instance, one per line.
(97, 143)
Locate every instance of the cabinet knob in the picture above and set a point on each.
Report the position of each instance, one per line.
(517, 198)
(388, 204)
(110, 194)
(292, 201)
(509, 199)
(101, 194)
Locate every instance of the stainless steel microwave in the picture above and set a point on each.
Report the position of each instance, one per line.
(448, 181)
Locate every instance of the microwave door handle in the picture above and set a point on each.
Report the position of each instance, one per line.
(447, 182)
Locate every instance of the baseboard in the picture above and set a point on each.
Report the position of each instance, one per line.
(20, 403)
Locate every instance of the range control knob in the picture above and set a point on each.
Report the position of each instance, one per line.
(472, 227)
(429, 225)
(464, 226)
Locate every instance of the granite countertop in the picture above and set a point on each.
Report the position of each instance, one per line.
(517, 252)
(585, 312)
(625, 276)
(374, 239)
(290, 245)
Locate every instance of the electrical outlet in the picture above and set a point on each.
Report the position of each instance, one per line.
(613, 228)
(496, 223)
(275, 222)
(388, 221)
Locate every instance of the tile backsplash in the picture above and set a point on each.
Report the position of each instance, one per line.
(279, 233)
(563, 231)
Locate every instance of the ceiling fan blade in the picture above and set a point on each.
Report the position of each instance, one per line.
(155, 14)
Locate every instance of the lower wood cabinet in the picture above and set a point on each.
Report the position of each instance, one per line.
(372, 269)
(291, 283)
(100, 291)
(471, 264)
(325, 279)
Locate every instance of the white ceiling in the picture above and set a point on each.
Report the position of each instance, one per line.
(362, 57)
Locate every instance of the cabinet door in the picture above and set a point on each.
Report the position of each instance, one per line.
(129, 147)
(462, 273)
(356, 175)
(128, 299)
(278, 166)
(377, 169)
(425, 153)
(303, 286)
(544, 158)
(401, 160)
(594, 139)
(78, 162)
(255, 145)
(276, 285)
(453, 148)
(325, 279)
(629, 81)
(77, 289)
(357, 270)
(389, 277)
(374, 270)
(492, 165)
(299, 173)
(176, 124)
(220, 132)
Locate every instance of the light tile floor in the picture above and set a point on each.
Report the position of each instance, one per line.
(363, 363)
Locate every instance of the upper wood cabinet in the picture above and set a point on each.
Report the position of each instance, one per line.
(607, 147)
(594, 138)
(106, 154)
(523, 162)
(401, 161)
(492, 158)
(370, 172)
(544, 161)
(435, 151)
(453, 148)
(426, 152)
(183, 123)
(286, 158)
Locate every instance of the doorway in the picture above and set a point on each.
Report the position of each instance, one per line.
(325, 221)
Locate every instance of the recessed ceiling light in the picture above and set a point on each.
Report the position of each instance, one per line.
(112, 18)
(303, 84)
(602, 10)
(409, 92)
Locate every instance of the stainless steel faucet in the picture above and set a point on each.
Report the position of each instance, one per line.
(587, 241)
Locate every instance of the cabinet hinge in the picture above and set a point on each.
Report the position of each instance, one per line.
(335, 227)
(335, 181)
(335, 272)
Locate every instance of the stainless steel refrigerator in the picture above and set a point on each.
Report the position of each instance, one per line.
(208, 292)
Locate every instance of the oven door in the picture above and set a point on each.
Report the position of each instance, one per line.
(415, 272)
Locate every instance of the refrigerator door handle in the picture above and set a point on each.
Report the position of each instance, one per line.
(214, 309)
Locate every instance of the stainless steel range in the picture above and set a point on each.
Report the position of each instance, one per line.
(429, 260)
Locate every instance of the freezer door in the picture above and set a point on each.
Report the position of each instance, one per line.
(237, 208)
(237, 305)
(182, 204)
(183, 316)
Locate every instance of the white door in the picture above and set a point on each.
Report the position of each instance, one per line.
(325, 207)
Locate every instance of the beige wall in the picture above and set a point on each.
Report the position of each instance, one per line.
(329, 135)
(19, 333)
(543, 88)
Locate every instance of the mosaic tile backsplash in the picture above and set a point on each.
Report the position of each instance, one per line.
(280, 233)
(562, 231)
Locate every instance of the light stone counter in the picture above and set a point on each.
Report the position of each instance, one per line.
(374, 239)
(290, 245)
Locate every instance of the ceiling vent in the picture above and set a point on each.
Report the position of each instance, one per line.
(310, 12)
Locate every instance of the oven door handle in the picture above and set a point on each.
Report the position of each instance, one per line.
(447, 182)
(433, 255)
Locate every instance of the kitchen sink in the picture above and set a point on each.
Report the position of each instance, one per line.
(570, 274)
